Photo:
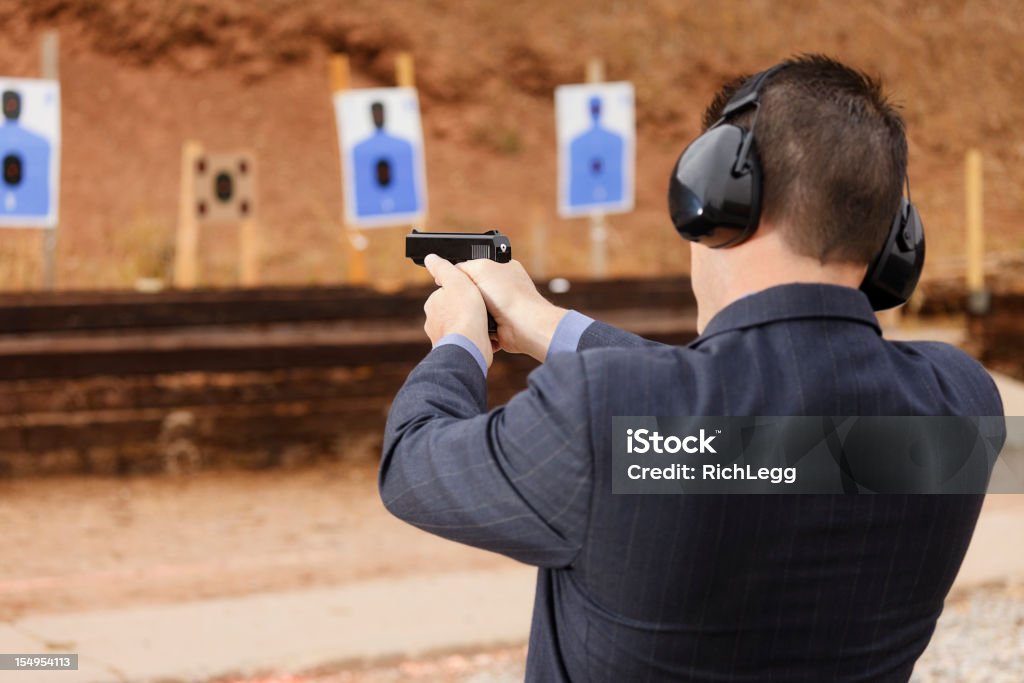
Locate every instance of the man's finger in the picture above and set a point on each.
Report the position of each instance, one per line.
(428, 304)
(443, 272)
(475, 268)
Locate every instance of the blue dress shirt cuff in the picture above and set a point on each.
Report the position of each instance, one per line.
(464, 342)
(567, 335)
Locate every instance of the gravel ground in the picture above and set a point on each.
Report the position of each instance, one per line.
(980, 637)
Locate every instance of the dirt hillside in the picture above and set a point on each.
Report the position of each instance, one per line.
(140, 77)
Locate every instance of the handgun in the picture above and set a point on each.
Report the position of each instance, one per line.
(457, 247)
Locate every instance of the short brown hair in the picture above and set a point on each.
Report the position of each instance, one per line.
(833, 153)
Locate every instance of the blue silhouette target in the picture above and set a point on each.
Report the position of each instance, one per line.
(29, 146)
(382, 155)
(596, 139)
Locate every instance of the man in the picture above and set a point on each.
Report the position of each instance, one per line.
(703, 587)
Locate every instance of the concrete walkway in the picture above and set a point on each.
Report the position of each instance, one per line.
(292, 631)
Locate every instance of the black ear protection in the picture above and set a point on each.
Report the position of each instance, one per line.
(714, 198)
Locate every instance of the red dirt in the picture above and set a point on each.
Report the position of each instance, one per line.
(140, 77)
(91, 543)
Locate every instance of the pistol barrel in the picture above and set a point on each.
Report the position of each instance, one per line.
(457, 247)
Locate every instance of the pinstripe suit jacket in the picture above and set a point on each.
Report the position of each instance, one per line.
(695, 588)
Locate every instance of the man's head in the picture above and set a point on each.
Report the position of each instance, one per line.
(833, 155)
(595, 109)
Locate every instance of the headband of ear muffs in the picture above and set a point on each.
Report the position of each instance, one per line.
(714, 198)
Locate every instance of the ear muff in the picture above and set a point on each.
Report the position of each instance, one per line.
(713, 197)
(893, 275)
(714, 194)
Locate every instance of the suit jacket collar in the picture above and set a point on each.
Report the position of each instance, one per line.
(792, 302)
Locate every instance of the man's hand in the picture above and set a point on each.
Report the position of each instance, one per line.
(526, 320)
(456, 308)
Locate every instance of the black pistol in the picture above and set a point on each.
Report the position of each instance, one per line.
(457, 247)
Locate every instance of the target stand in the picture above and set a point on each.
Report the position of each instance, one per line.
(216, 188)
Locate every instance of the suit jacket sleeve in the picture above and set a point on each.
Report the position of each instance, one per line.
(516, 480)
(601, 335)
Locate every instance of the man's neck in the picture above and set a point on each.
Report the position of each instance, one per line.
(766, 263)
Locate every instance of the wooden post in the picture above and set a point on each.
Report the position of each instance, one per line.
(249, 252)
(405, 75)
(595, 70)
(339, 69)
(250, 245)
(538, 243)
(598, 224)
(355, 242)
(186, 243)
(977, 295)
(50, 62)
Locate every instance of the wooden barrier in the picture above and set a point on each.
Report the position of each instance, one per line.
(90, 380)
(77, 335)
